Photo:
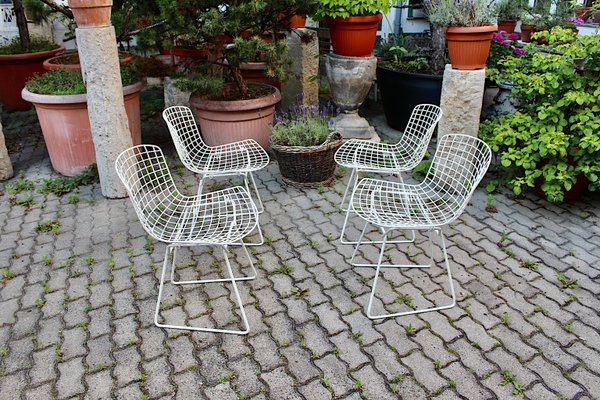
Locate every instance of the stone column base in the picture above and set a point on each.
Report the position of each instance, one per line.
(353, 126)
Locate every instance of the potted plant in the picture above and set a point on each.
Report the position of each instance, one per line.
(304, 145)
(20, 59)
(229, 108)
(70, 60)
(508, 12)
(470, 25)
(553, 140)
(400, 71)
(352, 24)
(61, 105)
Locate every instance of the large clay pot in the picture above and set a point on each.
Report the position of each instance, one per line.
(66, 128)
(354, 36)
(256, 72)
(224, 122)
(469, 46)
(403, 91)
(15, 70)
(526, 31)
(507, 26)
(91, 13)
(60, 61)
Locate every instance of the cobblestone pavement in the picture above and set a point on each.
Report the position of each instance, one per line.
(76, 302)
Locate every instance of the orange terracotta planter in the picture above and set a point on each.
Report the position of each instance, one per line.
(526, 31)
(15, 70)
(354, 36)
(297, 21)
(224, 122)
(65, 124)
(91, 13)
(469, 47)
(57, 62)
(507, 26)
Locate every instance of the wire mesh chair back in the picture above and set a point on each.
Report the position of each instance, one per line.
(418, 131)
(459, 164)
(184, 131)
(144, 172)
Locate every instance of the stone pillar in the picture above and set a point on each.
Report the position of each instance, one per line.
(350, 79)
(303, 49)
(108, 120)
(461, 101)
(6, 169)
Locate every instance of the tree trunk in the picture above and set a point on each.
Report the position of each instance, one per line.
(438, 44)
(22, 24)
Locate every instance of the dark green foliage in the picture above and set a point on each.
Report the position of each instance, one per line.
(65, 184)
(66, 82)
(38, 44)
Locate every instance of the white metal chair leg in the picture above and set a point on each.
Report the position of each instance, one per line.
(353, 176)
(404, 313)
(361, 265)
(200, 329)
(259, 203)
(243, 278)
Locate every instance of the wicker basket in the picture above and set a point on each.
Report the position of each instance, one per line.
(308, 165)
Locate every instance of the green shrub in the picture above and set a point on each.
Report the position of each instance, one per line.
(555, 135)
(38, 44)
(347, 8)
(66, 82)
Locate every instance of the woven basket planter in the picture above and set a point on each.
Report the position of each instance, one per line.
(310, 166)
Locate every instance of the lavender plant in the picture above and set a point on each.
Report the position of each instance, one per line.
(304, 125)
(460, 12)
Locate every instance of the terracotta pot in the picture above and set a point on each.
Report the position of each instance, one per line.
(66, 128)
(469, 46)
(224, 122)
(20, 68)
(526, 31)
(354, 36)
(507, 26)
(256, 72)
(91, 13)
(583, 12)
(54, 63)
(297, 21)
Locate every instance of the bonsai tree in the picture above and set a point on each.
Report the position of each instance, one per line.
(255, 27)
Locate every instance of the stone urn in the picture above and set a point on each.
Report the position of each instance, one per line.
(350, 79)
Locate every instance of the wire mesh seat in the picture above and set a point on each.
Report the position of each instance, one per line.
(219, 218)
(459, 164)
(367, 156)
(238, 158)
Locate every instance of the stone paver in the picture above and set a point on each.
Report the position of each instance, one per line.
(77, 307)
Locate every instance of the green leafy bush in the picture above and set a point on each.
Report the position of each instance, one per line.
(38, 44)
(347, 8)
(555, 135)
(66, 82)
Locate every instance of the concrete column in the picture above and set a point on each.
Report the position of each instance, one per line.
(461, 101)
(303, 49)
(108, 120)
(6, 169)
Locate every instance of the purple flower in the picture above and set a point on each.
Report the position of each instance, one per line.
(518, 51)
(513, 36)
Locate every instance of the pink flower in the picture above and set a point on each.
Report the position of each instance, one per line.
(513, 36)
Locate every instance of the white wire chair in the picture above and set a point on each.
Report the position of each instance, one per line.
(459, 164)
(367, 156)
(219, 218)
(237, 158)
